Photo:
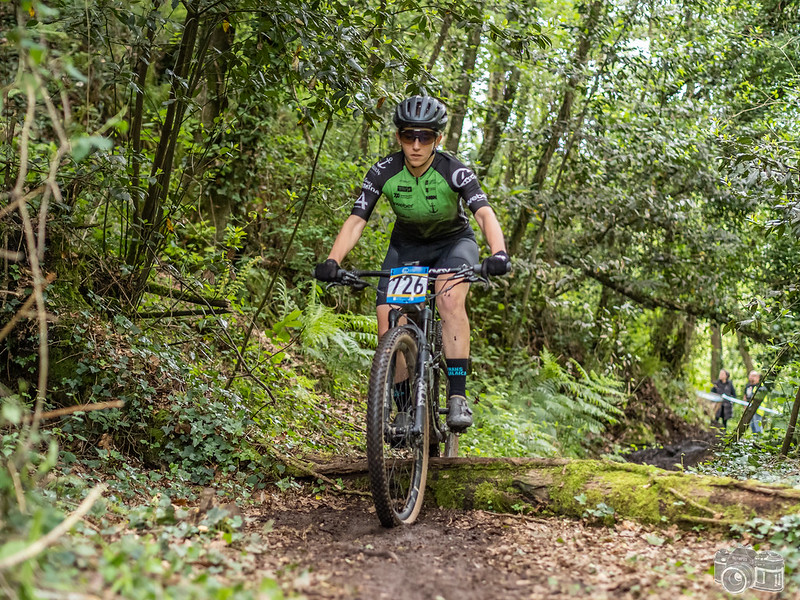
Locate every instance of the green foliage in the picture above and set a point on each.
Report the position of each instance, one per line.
(199, 430)
(161, 553)
(538, 409)
(331, 337)
(602, 513)
(755, 457)
(668, 201)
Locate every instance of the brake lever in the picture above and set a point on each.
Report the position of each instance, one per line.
(353, 281)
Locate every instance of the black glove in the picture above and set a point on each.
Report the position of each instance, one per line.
(327, 271)
(496, 264)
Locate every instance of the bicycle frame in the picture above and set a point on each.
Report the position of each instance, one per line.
(420, 318)
(425, 315)
(398, 448)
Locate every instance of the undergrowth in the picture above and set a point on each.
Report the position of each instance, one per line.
(541, 408)
(754, 457)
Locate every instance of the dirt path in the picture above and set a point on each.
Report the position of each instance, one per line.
(333, 548)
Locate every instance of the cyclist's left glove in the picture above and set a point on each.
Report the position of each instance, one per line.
(496, 264)
(327, 271)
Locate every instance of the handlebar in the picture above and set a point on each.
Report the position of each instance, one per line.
(432, 272)
(463, 274)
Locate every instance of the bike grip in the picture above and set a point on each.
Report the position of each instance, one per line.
(477, 269)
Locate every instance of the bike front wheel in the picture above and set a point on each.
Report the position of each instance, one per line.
(397, 456)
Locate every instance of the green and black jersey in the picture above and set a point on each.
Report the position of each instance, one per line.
(428, 207)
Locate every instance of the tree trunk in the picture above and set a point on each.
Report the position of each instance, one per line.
(460, 100)
(147, 225)
(447, 20)
(377, 34)
(501, 93)
(746, 358)
(516, 168)
(672, 340)
(790, 430)
(716, 351)
(135, 117)
(220, 41)
(558, 128)
(573, 487)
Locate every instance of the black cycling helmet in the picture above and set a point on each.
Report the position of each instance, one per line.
(421, 111)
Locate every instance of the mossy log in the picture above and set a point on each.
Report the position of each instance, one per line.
(573, 487)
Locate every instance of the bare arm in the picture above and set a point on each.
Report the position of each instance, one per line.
(490, 227)
(348, 236)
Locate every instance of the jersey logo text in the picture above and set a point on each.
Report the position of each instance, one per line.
(463, 176)
(370, 187)
(381, 165)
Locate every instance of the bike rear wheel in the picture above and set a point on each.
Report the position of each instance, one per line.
(397, 458)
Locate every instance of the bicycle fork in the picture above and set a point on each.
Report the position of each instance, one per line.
(422, 317)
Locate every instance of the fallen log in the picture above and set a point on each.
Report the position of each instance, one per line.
(575, 488)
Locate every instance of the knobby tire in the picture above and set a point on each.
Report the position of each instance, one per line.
(397, 470)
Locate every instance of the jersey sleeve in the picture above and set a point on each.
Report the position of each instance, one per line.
(372, 188)
(463, 180)
(365, 203)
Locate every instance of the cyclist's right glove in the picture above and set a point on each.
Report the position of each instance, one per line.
(496, 264)
(327, 271)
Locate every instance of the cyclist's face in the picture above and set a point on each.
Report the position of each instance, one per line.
(418, 144)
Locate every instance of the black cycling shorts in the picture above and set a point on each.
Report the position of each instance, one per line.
(452, 252)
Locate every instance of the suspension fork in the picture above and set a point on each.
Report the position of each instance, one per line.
(423, 367)
(420, 323)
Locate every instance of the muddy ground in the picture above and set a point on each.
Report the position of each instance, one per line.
(333, 547)
(684, 453)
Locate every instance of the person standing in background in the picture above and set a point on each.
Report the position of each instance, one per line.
(724, 385)
(753, 383)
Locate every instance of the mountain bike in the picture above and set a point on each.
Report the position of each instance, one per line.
(404, 430)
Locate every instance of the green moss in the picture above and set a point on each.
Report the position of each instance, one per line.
(473, 486)
(637, 492)
(642, 493)
(490, 496)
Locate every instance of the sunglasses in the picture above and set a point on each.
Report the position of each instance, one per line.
(424, 136)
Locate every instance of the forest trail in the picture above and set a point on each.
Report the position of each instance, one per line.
(332, 547)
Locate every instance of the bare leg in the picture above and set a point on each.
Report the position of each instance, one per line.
(383, 326)
(455, 340)
(455, 324)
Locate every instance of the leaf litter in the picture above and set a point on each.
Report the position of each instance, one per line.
(333, 547)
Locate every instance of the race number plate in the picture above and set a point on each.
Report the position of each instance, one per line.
(407, 285)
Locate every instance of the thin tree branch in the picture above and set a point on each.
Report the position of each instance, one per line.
(90, 407)
(22, 312)
(52, 536)
(288, 247)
